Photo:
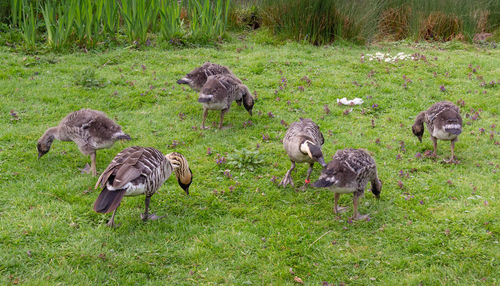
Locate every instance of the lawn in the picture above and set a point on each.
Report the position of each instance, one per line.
(434, 224)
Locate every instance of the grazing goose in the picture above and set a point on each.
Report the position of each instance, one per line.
(139, 171)
(302, 143)
(349, 172)
(443, 121)
(198, 77)
(89, 129)
(219, 92)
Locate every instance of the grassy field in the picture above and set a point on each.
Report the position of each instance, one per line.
(435, 223)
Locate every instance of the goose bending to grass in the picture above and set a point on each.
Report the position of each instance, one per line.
(90, 129)
(302, 143)
(197, 78)
(444, 123)
(349, 172)
(220, 91)
(139, 171)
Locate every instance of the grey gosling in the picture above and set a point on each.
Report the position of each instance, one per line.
(219, 92)
(444, 123)
(302, 143)
(198, 77)
(349, 172)
(139, 171)
(89, 129)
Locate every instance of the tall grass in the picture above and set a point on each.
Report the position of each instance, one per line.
(16, 12)
(171, 23)
(138, 16)
(58, 18)
(323, 21)
(207, 20)
(29, 26)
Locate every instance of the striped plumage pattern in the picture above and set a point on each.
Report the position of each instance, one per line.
(349, 172)
(138, 171)
(198, 77)
(443, 121)
(220, 91)
(303, 129)
(302, 143)
(135, 166)
(90, 129)
(444, 115)
(349, 169)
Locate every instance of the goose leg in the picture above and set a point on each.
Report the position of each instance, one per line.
(222, 112)
(336, 208)
(205, 112)
(111, 222)
(145, 216)
(452, 158)
(356, 215)
(307, 181)
(93, 167)
(434, 141)
(287, 179)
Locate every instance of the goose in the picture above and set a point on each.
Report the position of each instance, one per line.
(349, 172)
(90, 129)
(302, 143)
(198, 77)
(219, 92)
(444, 123)
(139, 171)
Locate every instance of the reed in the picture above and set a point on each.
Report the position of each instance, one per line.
(58, 19)
(171, 23)
(28, 26)
(138, 16)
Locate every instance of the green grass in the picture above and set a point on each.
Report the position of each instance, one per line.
(430, 232)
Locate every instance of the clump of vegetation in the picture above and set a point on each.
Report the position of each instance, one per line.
(87, 78)
(441, 27)
(394, 23)
(245, 159)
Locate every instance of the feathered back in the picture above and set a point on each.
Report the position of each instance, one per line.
(220, 88)
(305, 128)
(199, 76)
(132, 163)
(345, 168)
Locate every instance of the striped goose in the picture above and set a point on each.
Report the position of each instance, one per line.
(89, 129)
(219, 92)
(198, 77)
(302, 143)
(349, 172)
(444, 123)
(139, 171)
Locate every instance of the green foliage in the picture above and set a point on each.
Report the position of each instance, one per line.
(245, 159)
(138, 16)
(58, 19)
(207, 20)
(87, 78)
(171, 24)
(29, 27)
(428, 231)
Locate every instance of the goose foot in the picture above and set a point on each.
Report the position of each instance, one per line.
(360, 217)
(287, 180)
(340, 210)
(111, 223)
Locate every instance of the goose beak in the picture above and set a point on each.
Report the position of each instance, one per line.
(322, 162)
(420, 139)
(184, 81)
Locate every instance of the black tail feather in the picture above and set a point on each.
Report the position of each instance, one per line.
(454, 131)
(322, 183)
(108, 201)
